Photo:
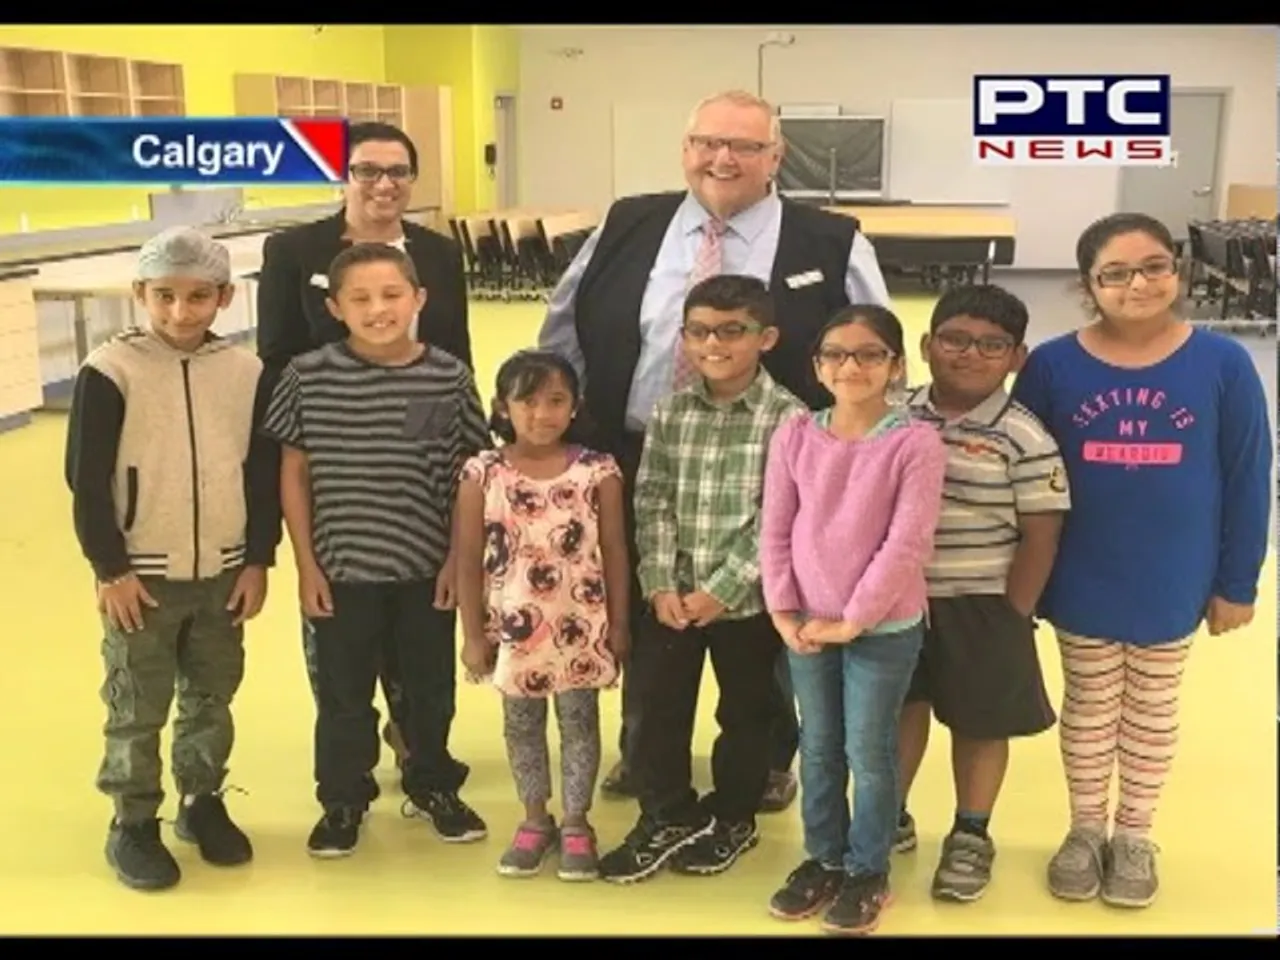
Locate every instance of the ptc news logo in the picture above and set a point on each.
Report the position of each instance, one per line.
(1071, 121)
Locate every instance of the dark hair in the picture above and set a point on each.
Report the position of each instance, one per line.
(374, 131)
(985, 302)
(360, 253)
(521, 376)
(732, 291)
(1101, 232)
(884, 323)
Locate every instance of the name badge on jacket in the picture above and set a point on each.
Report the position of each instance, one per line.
(806, 279)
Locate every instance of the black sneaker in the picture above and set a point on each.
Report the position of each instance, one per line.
(858, 905)
(718, 850)
(453, 820)
(650, 845)
(336, 834)
(809, 888)
(139, 857)
(205, 822)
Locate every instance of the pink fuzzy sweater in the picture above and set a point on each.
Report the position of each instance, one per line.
(847, 526)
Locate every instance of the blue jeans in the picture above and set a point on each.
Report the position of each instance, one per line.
(850, 698)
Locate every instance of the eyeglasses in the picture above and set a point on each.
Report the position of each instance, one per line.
(372, 173)
(989, 348)
(738, 147)
(724, 332)
(864, 357)
(1118, 275)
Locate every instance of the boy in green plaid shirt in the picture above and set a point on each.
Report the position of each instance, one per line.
(697, 501)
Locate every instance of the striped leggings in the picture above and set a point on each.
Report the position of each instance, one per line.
(1120, 708)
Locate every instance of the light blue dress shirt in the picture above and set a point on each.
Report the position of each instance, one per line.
(750, 245)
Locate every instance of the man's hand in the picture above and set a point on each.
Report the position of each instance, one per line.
(248, 595)
(121, 601)
(446, 597)
(314, 592)
(1223, 616)
(669, 609)
(701, 608)
(829, 631)
(788, 627)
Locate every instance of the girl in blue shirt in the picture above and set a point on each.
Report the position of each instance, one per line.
(1165, 435)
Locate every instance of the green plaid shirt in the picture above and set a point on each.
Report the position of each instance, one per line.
(698, 492)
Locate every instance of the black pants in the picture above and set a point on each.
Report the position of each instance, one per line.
(784, 734)
(666, 675)
(368, 618)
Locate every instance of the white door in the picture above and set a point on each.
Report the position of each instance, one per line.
(504, 125)
(1187, 190)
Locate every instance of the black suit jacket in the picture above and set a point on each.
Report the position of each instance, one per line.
(293, 318)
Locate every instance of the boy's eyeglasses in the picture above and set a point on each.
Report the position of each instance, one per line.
(372, 173)
(724, 332)
(989, 348)
(864, 357)
(1122, 276)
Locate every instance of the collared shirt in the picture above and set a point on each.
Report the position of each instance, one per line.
(698, 492)
(750, 247)
(1001, 463)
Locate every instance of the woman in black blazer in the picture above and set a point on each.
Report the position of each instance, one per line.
(292, 287)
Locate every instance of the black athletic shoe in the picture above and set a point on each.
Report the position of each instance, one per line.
(859, 905)
(650, 845)
(453, 820)
(206, 823)
(809, 888)
(717, 851)
(140, 858)
(336, 834)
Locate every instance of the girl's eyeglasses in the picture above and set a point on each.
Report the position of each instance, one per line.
(1118, 275)
(864, 357)
(724, 332)
(989, 348)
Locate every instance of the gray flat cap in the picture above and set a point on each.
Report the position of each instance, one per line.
(184, 252)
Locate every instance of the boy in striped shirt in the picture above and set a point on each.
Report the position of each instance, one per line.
(375, 430)
(1004, 501)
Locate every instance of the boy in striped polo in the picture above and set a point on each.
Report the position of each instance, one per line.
(375, 430)
(1003, 505)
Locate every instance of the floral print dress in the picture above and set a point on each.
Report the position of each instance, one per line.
(544, 578)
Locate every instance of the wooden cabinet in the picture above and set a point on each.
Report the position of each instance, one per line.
(20, 386)
(52, 83)
(424, 113)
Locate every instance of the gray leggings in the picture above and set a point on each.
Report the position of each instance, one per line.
(524, 725)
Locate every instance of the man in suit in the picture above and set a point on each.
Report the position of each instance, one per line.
(616, 313)
(292, 287)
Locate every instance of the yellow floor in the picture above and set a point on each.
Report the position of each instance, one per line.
(1217, 828)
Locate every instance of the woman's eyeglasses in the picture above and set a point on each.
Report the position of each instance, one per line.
(1121, 275)
(864, 357)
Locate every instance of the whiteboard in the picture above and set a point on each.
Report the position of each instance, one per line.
(646, 147)
(931, 156)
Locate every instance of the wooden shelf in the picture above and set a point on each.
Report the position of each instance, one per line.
(35, 83)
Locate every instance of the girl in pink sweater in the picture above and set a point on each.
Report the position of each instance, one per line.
(852, 495)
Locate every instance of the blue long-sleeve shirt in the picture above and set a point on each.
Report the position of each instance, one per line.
(1170, 474)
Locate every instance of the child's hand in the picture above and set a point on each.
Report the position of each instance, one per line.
(446, 597)
(829, 631)
(620, 642)
(1223, 616)
(248, 595)
(121, 602)
(314, 593)
(477, 658)
(788, 627)
(701, 608)
(670, 611)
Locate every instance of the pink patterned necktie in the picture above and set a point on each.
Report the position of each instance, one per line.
(706, 264)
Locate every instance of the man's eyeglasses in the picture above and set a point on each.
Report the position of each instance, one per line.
(1118, 275)
(724, 332)
(865, 357)
(372, 172)
(989, 348)
(738, 147)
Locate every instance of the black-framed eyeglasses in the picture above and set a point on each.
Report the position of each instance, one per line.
(1121, 275)
(989, 348)
(372, 172)
(865, 357)
(724, 332)
(737, 146)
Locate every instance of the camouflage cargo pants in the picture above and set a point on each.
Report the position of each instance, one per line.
(188, 646)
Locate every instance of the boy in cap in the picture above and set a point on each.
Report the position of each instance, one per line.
(176, 507)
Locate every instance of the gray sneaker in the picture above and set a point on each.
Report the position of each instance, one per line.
(1130, 878)
(965, 868)
(1075, 872)
(579, 858)
(529, 850)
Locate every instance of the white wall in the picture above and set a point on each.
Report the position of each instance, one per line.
(566, 156)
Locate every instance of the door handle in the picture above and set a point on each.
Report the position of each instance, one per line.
(1202, 191)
